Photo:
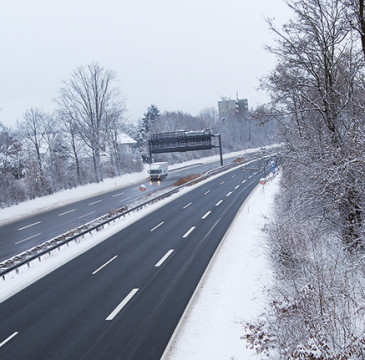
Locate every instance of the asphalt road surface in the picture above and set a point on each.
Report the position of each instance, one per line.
(123, 298)
(19, 236)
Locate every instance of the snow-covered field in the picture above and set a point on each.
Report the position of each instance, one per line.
(230, 292)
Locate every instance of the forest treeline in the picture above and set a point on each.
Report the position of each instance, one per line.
(82, 140)
(317, 241)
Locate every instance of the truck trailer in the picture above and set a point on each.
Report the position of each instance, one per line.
(158, 171)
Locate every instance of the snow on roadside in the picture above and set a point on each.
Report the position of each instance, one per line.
(65, 197)
(232, 289)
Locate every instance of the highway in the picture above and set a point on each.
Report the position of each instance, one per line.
(123, 298)
(26, 233)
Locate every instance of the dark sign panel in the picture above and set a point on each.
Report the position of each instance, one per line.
(179, 141)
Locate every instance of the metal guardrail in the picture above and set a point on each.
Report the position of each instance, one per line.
(47, 247)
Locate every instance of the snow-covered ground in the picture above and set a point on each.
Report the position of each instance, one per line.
(230, 292)
(232, 289)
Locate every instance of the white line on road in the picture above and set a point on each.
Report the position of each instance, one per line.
(250, 177)
(187, 205)
(121, 305)
(161, 223)
(102, 266)
(28, 226)
(188, 232)
(207, 192)
(219, 202)
(206, 215)
(221, 183)
(242, 182)
(233, 175)
(95, 202)
(67, 212)
(82, 216)
(236, 187)
(164, 258)
(9, 338)
(28, 238)
(230, 193)
(118, 194)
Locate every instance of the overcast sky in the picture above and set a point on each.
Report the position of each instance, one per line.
(177, 54)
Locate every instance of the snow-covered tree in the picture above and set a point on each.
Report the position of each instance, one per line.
(317, 241)
(147, 124)
(90, 102)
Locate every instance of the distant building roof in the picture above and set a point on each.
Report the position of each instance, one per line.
(125, 139)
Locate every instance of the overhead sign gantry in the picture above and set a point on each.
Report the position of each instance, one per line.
(181, 141)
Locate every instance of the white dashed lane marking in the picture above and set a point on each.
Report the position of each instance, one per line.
(28, 226)
(157, 226)
(164, 258)
(67, 212)
(188, 232)
(115, 312)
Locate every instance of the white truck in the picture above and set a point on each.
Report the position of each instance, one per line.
(158, 171)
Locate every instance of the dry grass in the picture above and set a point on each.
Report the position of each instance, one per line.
(186, 179)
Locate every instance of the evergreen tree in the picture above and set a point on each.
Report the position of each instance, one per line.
(146, 125)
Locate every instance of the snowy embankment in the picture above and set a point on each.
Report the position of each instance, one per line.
(232, 290)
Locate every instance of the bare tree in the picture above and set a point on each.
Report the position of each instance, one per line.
(34, 128)
(316, 86)
(89, 101)
(317, 241)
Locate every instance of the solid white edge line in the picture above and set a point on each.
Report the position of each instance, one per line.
(102, 266)
(67, 212)
(206, 214)
(157, 226)
(188, 232)
(115, 312)
(187, 205)
(28, 226)
(28, 238)
(164, 258)
(9, 338)
(219, 202)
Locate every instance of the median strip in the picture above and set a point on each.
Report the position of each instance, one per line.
(115, 312)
